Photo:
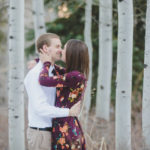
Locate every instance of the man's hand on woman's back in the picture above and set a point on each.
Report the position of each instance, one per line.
(75, 109)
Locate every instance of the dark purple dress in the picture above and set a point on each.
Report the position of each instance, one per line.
(67, 133)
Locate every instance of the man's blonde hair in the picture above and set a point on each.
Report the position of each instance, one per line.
(45, 39)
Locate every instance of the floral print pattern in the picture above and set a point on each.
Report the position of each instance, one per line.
(67, 133)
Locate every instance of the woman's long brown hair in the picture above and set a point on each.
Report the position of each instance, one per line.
(77, 57)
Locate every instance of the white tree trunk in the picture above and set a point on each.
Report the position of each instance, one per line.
(124, 75)
(146, 85)
(39, 20)
(16, 75)
(53, 14)
(88, 41)
(105, 60)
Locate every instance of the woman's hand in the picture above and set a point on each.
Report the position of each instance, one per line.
(44, 57)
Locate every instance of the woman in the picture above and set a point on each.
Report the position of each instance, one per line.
(70, 83)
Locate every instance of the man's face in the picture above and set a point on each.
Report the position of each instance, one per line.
(55, 49)
(64, 54)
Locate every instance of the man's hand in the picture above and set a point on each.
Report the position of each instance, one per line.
(75, 109)
(31, 64)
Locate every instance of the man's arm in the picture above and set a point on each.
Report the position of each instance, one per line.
(38, 101)
(44, 109)
(32, 63)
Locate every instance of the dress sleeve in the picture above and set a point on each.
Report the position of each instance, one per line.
(65, 80)
(37, 60)
(60, 70)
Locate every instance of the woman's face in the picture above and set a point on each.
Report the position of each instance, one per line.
(64, 53)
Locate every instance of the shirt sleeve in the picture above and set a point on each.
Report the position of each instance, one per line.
(46, 110)
(38, 99)
(65, 80)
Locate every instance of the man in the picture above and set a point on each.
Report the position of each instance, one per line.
(41, 107)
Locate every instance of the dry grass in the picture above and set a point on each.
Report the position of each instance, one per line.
(100, 135)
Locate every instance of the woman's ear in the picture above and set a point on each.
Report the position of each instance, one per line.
(45, 49)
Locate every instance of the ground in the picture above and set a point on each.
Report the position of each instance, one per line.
(100, 131)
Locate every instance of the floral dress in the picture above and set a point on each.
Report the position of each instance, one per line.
(67, 133)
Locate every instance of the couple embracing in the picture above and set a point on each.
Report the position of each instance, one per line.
(55, 95)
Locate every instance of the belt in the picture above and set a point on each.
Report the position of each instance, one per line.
(42, 129)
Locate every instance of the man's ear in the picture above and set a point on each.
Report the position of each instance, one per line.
(45, 49)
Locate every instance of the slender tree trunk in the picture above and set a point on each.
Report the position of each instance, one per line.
(146, 85)
(124, 75)
(105, 60)
(51, 9)
(16, 75)
(88, 41)
(39, 21)
(53, 14)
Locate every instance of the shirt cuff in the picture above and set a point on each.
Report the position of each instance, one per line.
(65, 112)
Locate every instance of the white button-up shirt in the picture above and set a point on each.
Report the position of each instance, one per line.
(41, 107)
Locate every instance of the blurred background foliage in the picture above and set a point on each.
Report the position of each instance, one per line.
(72, 26)
(3, 22)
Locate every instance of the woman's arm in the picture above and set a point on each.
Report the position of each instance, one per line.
(59, 70)
(66, 80)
